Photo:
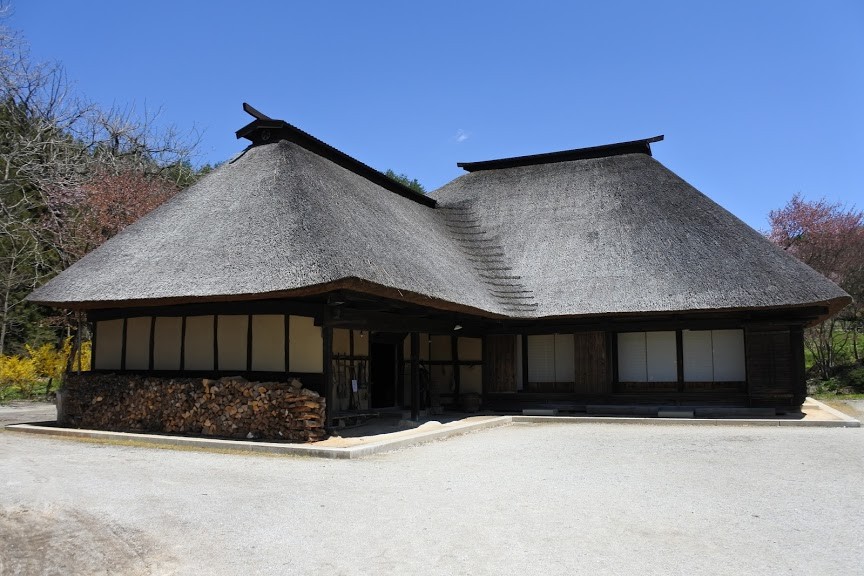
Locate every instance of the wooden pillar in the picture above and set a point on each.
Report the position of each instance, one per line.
(183, 343)
(525, 362)
(415, 376)
(123, 348)
(249, 343)
(93, 341)
(329, 397)
(679, 358)
(798, 371)
(400, 374)
(152, 342)
(80, 353)
(457, 376)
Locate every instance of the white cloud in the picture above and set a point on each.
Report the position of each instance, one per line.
(461, 135)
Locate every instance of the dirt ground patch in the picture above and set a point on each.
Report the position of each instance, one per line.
(52, 541)
(854, 408)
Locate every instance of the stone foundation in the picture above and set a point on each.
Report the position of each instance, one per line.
(230, 407)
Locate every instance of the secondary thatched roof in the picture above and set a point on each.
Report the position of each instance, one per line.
(624, 234)
(606, 230)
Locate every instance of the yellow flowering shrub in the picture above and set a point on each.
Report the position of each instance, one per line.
(25, 373)
(17, 372)
(47, 360)
(51, 362)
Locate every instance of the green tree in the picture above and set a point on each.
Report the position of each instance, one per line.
(62, 160)
(403, 179)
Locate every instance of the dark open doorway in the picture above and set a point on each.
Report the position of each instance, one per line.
(384, 372)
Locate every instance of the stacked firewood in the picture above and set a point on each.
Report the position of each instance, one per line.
(230, 407)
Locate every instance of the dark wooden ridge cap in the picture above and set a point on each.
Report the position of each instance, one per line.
(266, 130)
(633, 147)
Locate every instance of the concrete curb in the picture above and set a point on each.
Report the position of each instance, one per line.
(850, 420)
(419, 435)
(684, 421)
(350, 452)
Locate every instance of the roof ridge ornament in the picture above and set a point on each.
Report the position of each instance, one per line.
(642, 146)
(255, 113)
(266, 130)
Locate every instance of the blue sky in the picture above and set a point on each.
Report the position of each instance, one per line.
(758, 100)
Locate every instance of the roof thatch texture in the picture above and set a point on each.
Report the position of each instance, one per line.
(277, 219)
(624, 234)
(610, 235)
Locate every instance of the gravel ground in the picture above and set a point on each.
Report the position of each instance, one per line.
(857, 408)
(21, 412)
(523, 499)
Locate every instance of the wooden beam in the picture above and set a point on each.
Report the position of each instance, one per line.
(387, 322)
(213, 308)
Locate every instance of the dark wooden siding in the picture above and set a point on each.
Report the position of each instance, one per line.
(500, 365)
(775, 360)
(592, 363)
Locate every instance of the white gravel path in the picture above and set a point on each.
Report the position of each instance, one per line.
(523, 499)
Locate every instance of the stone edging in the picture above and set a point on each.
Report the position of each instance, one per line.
(419, 436)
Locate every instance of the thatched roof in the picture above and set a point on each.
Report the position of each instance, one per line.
(607, 230)
(624, 234)
(277, 220)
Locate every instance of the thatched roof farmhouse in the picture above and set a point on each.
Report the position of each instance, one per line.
(585, 277)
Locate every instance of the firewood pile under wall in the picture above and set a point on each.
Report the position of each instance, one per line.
(230, 407)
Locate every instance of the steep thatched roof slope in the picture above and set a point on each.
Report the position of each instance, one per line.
(624, 234)
(278, 219)
(605, 230)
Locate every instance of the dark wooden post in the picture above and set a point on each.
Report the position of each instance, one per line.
(78, 344)
(679, 358)
(123, 348)
(93, 342)
(415, 376)
(152, 342)
(329, 397)
(524, 362)
(216, 342)
(249, 343)
(457, 376)
(183, 343)
(799, 376)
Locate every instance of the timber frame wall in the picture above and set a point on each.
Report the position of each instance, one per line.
(773, 343)
(313, 380)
